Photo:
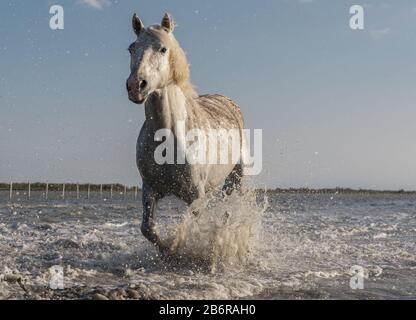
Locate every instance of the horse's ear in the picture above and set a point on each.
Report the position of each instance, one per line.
(167, 22)
(137, 24)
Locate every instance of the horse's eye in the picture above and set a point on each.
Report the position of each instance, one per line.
(163, 50)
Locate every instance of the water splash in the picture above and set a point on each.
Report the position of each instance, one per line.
(224, 232)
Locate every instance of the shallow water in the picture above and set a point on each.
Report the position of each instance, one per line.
(304, 248)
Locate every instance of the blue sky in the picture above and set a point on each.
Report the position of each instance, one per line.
(336, 106)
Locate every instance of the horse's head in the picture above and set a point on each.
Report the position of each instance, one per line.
(157, 60)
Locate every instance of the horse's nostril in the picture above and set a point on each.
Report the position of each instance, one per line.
(143, 84)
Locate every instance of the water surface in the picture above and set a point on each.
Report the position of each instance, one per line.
(304, 250)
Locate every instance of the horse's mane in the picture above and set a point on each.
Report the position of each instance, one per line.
(178, 63)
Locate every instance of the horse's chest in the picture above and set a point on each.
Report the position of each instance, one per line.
(167, 177)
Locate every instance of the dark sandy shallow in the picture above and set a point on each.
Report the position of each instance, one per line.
(304, 250)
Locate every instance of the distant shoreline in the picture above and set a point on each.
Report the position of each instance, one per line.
(54, 186)
(41, 186)
(338, 191)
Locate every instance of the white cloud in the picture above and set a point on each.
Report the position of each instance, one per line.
(378, 34)
(96, 4)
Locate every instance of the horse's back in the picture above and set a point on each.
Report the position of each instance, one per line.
(221, 110)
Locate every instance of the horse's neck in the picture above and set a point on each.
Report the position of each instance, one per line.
(166, 107)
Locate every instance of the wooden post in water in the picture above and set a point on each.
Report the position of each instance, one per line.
(111, 192)
(101, 191)
(89, 191)
(47, 190)
(11, 190)
(28, 190)
(77, 190)
(63, 191)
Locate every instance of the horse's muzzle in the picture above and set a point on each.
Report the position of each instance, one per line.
(137, 93)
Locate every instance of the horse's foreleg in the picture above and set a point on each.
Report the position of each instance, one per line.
(196, 202)
(233, 181)
(149, 200)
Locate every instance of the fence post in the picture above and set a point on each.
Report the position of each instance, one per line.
(101, 191)
(88, 192)
(77, 191)
(111, 192)
(11, 190)
(63, 191)
(47, 190)
(28, 190)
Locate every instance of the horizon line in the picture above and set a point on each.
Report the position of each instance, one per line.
(5, 186)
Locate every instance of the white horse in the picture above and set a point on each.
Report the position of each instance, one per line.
(160, 79)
